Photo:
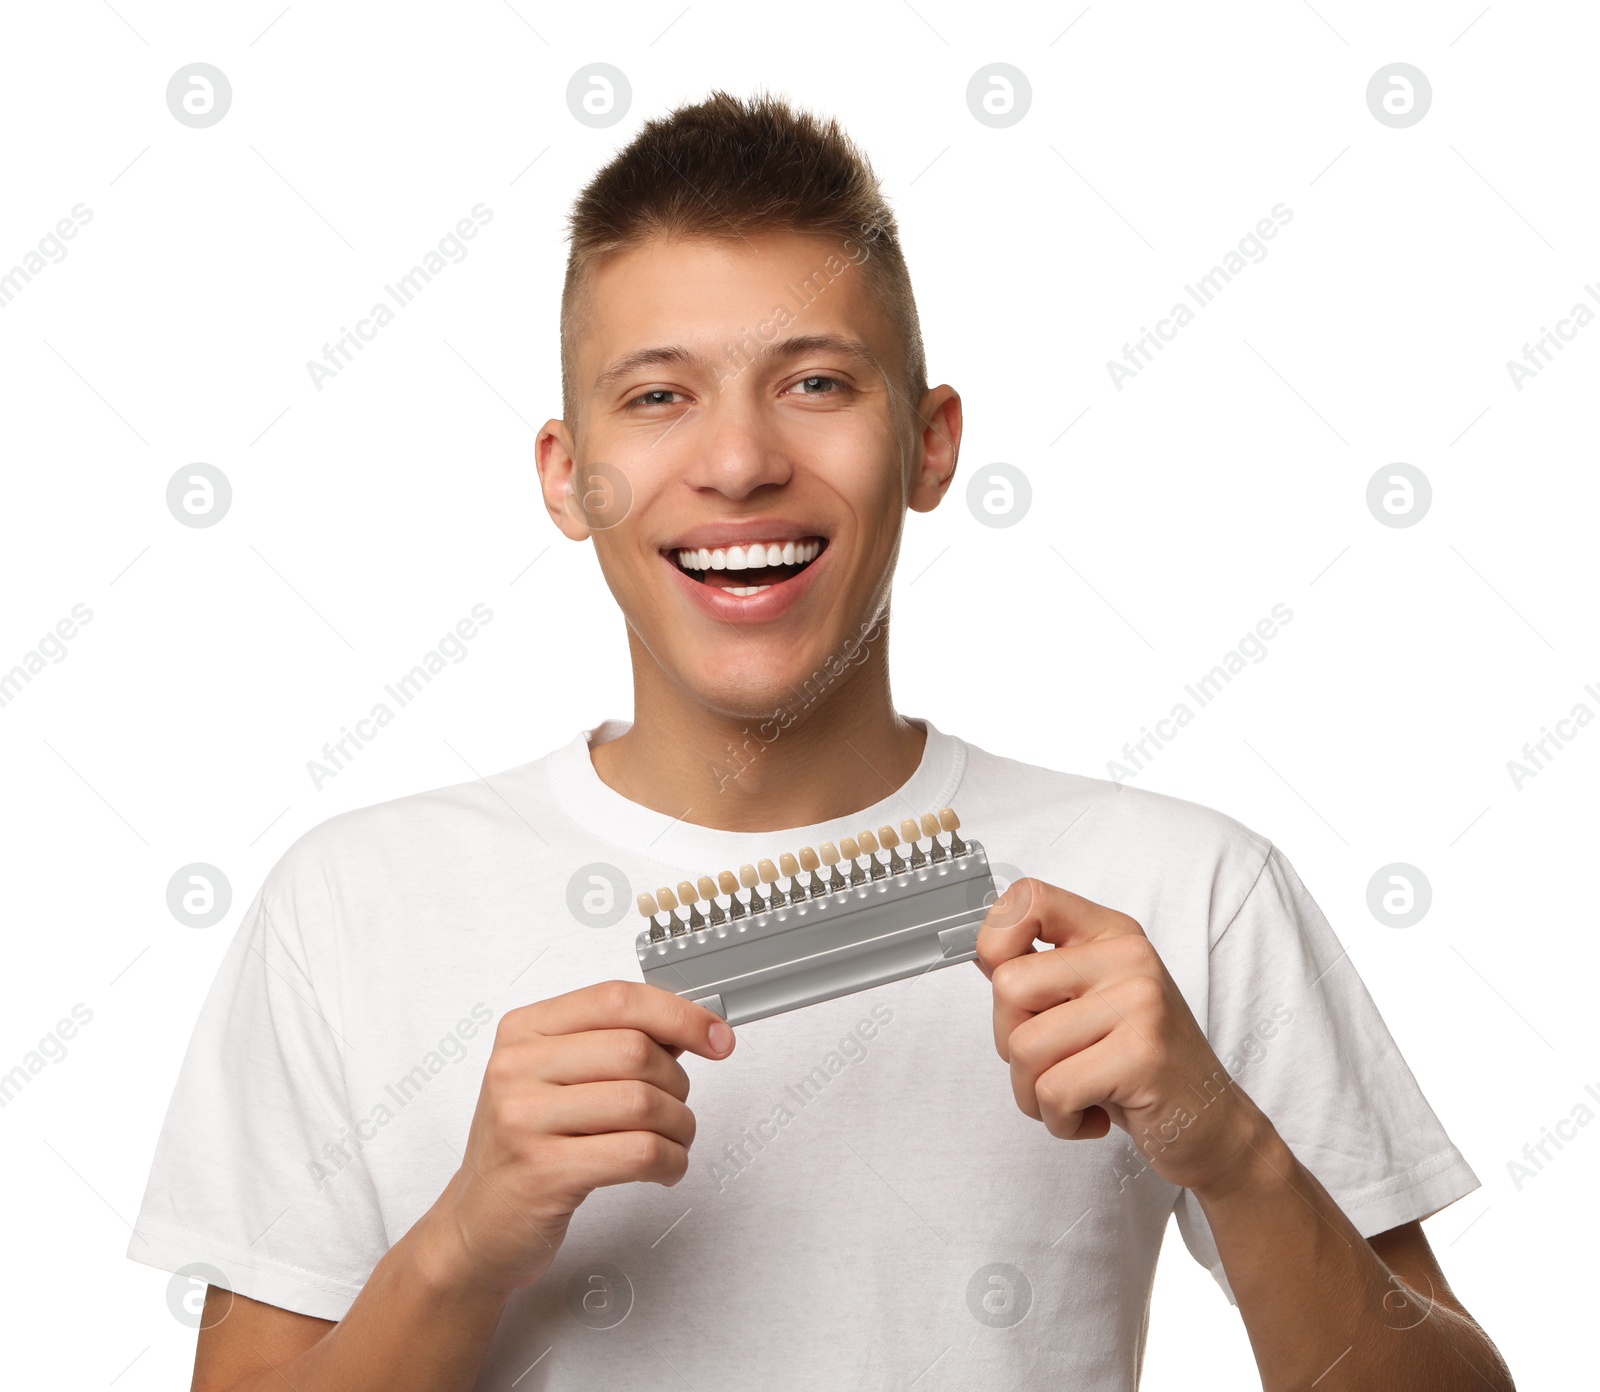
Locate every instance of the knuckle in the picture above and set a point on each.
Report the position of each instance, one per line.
(509, 1115)
(647, 1151)
(675, 1167)
(634, 1048)
(689, 1018)
(1007, 978)
(1027, 1048)
(1051, 1092)
(509, 1028)
(1143, 993)
(615, 996)
(638, 1100)
(1139, 949)
(501, 1071)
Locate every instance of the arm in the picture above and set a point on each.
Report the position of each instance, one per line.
(580, 1091)
(411, 1327)
(1325, 1306)
(1097, 1032)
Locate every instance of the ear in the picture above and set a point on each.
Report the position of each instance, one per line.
(940, 443)
(554, 457)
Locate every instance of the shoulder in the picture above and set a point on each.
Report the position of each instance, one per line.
(1120, 808)
(1132, 841)
(409, 842)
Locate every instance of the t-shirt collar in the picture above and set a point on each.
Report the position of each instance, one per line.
(606, 813)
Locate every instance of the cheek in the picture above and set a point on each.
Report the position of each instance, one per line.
(633, 573)
(871, 483)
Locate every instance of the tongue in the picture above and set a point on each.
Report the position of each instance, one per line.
(752, 575)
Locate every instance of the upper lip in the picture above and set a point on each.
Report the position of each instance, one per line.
(741, 531)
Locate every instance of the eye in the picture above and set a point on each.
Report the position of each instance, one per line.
(649, 398)
(828, 386)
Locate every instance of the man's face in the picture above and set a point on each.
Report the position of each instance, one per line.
(749, 395)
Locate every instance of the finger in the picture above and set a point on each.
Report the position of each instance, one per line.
(596, 1109)
(1066, 1094)
(1031, 909)
(1025, 986)
(668, 1019)
(598, 1056)
(623, 1157)
(1050, 1039)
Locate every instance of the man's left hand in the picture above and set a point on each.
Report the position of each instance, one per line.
(1096, 1031)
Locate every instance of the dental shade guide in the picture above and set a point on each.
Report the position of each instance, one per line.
(849, 926)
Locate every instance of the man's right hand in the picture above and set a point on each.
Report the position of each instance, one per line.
(581, 1091)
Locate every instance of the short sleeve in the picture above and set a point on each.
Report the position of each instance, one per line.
(1291, 1020)
(256, 1174)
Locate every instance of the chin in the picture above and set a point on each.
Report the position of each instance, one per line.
(764, 696)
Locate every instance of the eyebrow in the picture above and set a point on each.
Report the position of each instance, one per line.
(795, 347)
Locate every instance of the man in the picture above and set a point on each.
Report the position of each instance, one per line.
(960, 1180)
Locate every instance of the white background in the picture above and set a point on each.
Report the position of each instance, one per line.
(1167, 517)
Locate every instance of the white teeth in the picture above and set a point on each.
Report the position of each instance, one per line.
(746, 589)
(757, 553)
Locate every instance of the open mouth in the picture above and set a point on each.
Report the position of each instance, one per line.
(751, 568)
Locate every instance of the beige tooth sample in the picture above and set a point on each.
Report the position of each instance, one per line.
(789, 869)
(707, 888)
(767, 873)
(850, 851)
(648, 906)
(869, 848)
(828, 854)
(669, 902)
(888, 838)
(949, 821)
(689, 897)
(911, 834)
(730, 886)
(811, 865)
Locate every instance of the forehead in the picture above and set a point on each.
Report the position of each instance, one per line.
(705, 293)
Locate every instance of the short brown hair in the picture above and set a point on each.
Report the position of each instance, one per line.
(726, 167)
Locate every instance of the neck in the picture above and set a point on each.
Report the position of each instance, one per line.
(815, 759)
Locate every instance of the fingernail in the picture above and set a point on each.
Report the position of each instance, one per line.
(721, 1036)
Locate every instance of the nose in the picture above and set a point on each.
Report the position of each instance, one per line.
(736, 449)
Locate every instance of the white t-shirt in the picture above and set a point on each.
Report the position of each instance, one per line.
(865, 1205)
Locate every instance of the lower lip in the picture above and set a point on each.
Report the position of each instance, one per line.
(777, 599)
